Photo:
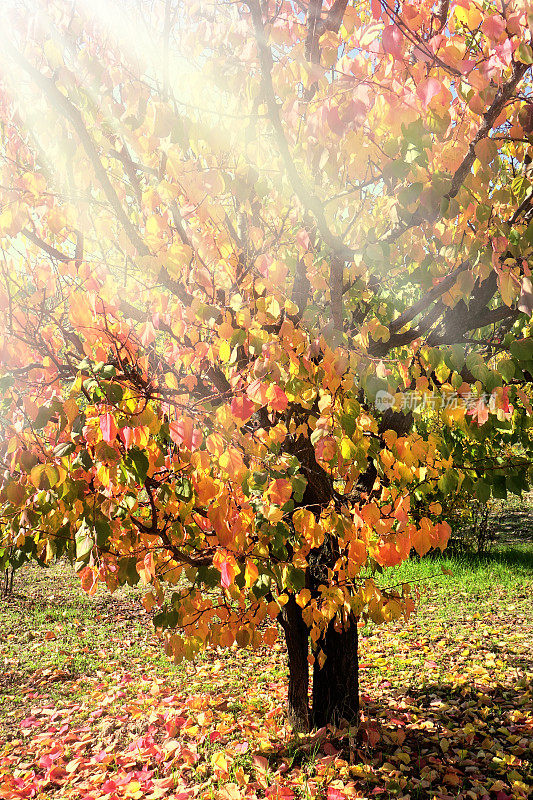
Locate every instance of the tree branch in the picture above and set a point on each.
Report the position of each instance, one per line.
(309, 200)
(70, 112)
(437, 291)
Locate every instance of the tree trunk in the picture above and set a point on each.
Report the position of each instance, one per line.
(336, 683)
(297, 638)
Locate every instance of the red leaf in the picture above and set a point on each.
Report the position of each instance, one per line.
(89, 581)
(392, 40)
(184, 432)
(227, 566)
(376, 9)
(108, 428)
(242, 408)
(427, 90)
(335, 794)
(479, 412)
(505, 400)
(226, 572)
(335, 122)
(493, 27)
(302, 237)
(126, 434)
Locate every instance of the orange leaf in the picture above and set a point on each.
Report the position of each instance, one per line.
(228, 567)
(280, 491)
(276, 397)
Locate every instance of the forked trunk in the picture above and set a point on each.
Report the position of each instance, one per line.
(336, 683)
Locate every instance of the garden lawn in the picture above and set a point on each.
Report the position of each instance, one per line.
(90, 707)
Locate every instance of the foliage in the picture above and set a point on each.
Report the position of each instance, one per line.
(229, 232)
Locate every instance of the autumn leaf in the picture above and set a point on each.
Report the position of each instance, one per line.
(227, 566)
(184, 432)
(108, 428)
(426, 90)
(280, 491)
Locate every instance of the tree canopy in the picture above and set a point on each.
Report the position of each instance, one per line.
(266, 299)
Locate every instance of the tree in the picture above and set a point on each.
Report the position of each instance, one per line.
(266, 305)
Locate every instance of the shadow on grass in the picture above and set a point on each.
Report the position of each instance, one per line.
(452, 739)
(507, 557)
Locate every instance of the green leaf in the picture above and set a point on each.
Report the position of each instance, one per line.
(64, 449)
(78, 424)
(43, 417)
(184, 492)
(295, 578)
(109, 371)
(348, 422)
(522, 349)
(499, 488)
(84, 542)
(506, 368)
(6, 382)
(83, 459)
(448, 482)
(259, 479)
(477, 367)
(524, 53)
(113, 391)
(517, 483)
(260, 588)
(481, 491)
(492, 380)
(209, 576)
(103, 532)
(137, 461)
(456, 356)
(299, 484)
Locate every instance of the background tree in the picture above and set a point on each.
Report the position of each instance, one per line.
(244, 247)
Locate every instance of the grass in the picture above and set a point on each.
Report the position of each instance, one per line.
(507, 569)
(91, 707)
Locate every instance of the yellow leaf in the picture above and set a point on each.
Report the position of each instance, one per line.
(470, 16)
(251, 573)
(508, 287)
(179, 254)
(155, 225)
(133, 789)
(219, 762)
(171, 380)
(232, 463)
(224, 351)
(303, 597)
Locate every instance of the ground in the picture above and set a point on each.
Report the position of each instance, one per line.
(90, 707)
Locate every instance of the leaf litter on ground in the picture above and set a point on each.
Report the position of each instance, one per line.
(93, 709)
